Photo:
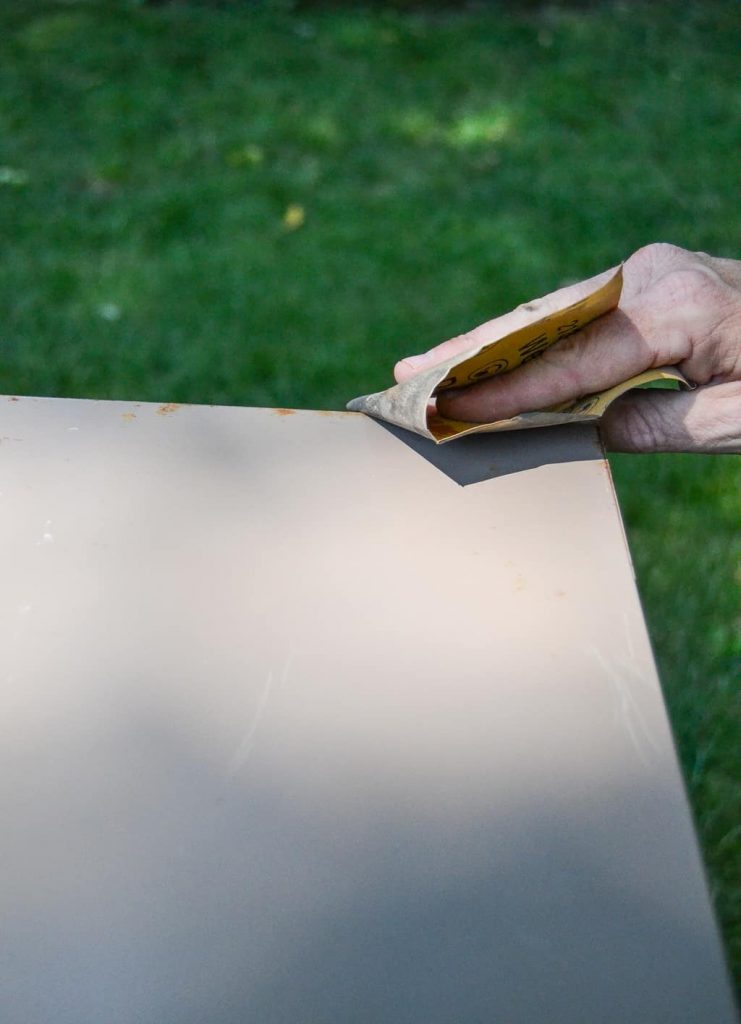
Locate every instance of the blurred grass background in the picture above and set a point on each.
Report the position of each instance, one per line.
(268, 204)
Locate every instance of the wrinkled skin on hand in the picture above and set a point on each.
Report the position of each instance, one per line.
(677, 308)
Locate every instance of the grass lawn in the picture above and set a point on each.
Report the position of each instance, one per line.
(238, 203)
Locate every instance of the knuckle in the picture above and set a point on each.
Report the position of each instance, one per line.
(695, 285)
(657, 254)
(642, 425)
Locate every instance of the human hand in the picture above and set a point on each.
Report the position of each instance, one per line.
(677, 308)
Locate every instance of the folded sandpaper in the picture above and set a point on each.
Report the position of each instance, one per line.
(524, 334)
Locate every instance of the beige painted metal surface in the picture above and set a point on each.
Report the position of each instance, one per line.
(306, 724)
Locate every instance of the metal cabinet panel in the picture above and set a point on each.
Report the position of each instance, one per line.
(307, 721)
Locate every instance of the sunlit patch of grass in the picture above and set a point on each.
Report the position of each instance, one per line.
(461, 131)
(480, 128)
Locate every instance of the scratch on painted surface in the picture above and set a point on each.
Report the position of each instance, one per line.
(622, 676)
(246, 745)
(47, 537)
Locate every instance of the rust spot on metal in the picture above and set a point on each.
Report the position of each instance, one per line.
(333, 412)
(14, 398)
(165, 410)
(284, 412)
(128, 416)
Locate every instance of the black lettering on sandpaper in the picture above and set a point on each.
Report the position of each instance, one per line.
(489, 370)
(534, 345)
(533, 348)
(563, 329)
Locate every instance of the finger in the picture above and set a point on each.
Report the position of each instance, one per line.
(525, 314)
(604, 353)
(707, 420)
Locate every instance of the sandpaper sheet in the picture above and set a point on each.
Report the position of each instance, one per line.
(528, 331)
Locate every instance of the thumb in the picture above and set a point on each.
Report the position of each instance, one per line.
(707, 420)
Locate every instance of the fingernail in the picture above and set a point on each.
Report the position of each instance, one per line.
(416, 361)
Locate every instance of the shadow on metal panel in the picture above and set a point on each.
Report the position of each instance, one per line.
(479, 457)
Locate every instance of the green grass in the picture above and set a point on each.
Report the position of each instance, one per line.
(449, 166)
